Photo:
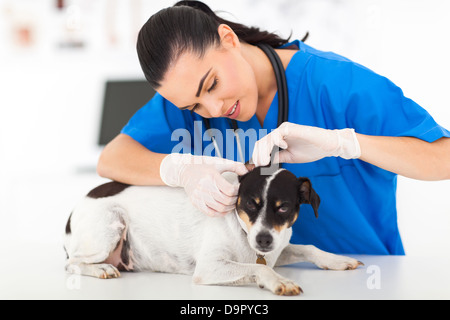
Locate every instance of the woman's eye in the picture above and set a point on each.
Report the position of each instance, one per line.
(214, 85)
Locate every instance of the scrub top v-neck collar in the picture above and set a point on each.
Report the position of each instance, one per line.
(271, 118)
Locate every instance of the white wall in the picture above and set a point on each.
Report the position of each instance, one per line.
(50, 98)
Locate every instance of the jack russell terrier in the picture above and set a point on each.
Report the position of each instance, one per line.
(133, 228)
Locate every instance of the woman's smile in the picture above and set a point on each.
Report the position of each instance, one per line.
(234, 111)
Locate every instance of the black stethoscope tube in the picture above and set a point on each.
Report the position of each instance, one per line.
(280, 76)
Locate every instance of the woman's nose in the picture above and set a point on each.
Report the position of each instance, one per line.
(214, 107)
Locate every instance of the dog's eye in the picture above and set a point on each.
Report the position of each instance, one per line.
(283, 209)
(251, 205)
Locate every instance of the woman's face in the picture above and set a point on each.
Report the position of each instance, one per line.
(220, 84)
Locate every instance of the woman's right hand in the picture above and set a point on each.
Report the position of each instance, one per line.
(201, 177)
(302, 144)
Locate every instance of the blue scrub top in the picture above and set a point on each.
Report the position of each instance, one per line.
(358, 213)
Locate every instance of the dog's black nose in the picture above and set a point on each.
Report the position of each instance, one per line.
(264, 240)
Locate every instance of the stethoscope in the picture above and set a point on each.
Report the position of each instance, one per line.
(283, 100)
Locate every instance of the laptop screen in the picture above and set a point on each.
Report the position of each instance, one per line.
(121, 100)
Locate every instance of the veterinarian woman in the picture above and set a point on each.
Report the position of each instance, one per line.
(350, 130)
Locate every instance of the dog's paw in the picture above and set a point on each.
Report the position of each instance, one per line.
(101, 271)
(279, 285)
(105, 271)
(287, 287)
(335, 262)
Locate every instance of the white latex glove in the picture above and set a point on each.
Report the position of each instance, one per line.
(303, 144)
(201, 178)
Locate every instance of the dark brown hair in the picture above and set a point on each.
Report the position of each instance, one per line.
(188, 25)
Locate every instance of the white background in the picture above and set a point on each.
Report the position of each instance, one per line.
(50, 98)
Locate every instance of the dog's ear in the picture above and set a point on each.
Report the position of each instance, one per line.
(240, 178)
(308, 195)
(249, 167)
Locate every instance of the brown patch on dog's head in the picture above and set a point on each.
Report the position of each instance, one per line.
(293, 220)
(281, 227)
(246, 219)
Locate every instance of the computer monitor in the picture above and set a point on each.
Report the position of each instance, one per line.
(122, 98)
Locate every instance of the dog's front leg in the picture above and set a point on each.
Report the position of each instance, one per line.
(324, 260)
(227, 272)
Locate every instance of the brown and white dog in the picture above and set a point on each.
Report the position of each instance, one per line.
(130, 228)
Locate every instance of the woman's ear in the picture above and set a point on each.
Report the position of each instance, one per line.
(228, 38)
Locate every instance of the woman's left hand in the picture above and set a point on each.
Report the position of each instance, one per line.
(303, 144)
